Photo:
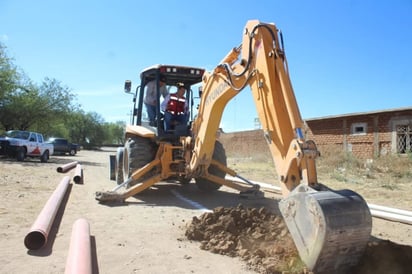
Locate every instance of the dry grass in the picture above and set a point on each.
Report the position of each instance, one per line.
(256, 169)
(377, 180)
(390, 169)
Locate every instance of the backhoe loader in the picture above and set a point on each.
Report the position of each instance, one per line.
(330, 228)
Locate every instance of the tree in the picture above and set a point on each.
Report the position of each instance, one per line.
(55, 104)
(36, 107)
(25, 105)
(9, 77)
(114, 132)
(49, 108)
(86, 129)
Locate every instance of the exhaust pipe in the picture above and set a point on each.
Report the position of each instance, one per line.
(79, 259)
(37, 236)
(78, 174)
(66, 167)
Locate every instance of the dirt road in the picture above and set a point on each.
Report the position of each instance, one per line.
(144, 235)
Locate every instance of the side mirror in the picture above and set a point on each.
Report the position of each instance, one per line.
(127, 86)
(200, 91)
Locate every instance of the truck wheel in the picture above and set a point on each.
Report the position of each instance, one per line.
(119, 166)
(219, 154)
(44, 157)
(21, 154)
(138, 152)
(72, 152)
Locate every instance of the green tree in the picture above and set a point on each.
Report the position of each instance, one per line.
(59, 129)
(55, 104)
(86, 129)
(9, 83)
(114, 133)
(36, 107)
(49, 108)
(9, 77)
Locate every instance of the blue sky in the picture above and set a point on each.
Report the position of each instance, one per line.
(344, 56)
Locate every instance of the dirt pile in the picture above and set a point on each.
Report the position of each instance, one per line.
(262, 240)
(256, 235)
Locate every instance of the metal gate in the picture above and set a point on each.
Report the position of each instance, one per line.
(404, 139)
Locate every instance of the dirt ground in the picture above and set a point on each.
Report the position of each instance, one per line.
(166, 229)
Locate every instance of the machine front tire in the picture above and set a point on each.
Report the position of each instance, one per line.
(138, 152)
(219, 154)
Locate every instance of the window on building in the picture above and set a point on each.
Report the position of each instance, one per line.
(257, 124)
(359, 128)
(404, 138)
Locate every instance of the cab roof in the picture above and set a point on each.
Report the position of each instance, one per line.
(174, 74)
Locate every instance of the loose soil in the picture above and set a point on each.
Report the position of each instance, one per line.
(262, 240)
(154, 232)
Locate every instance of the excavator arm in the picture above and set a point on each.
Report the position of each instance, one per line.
(330, 228)
(259, 63)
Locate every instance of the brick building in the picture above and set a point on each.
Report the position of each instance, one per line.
(366, 134)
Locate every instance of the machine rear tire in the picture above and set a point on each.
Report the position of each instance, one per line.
(138, 152)
(112, 165)
(219, 154)
(119, 166)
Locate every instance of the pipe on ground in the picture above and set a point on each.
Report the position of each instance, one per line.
(377, 211)
(39, 231)
(79, 260)
(78, 174)
(390, 210)
(66, 167)
(392, 216)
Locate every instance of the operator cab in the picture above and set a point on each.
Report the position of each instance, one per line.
(173, 76)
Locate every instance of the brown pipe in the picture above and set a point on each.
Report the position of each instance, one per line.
(79, 260)
(66, 167)
(37, 236)
(78, 174)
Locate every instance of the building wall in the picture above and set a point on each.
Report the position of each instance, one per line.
(378, 137)
(249, 144)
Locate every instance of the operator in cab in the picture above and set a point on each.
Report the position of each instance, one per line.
(175, 108)
(150, 99)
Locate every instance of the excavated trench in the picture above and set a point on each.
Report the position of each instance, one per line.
(262, 240)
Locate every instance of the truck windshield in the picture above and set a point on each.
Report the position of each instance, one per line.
(17, 134)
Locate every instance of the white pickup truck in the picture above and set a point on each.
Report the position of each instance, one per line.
(22, 144)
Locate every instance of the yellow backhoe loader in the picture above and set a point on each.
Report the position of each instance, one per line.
(330, 228)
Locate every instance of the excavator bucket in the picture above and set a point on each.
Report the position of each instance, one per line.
(330, 228)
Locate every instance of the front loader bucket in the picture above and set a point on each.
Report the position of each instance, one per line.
(330, 228)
